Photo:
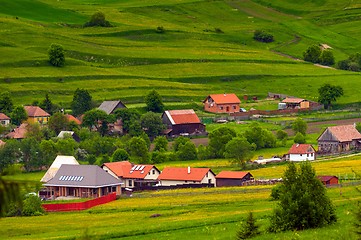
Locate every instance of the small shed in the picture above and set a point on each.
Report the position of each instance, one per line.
(328, 180)
(230, 178)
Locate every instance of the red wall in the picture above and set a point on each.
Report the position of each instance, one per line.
(57, 207)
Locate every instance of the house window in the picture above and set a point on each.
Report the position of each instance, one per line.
(194, 181)
(221, 108)
(311, 154)
(149, 173)
(186, 181)
(301, 155)
(308, 155)
(153, 172)
(209, 181)
(207, 174)
(234, 107)
(130, 183)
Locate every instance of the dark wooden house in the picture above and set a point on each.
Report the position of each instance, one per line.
(328, 180)
(110, 106)
(230, 178)
(182, 122)
(339, 139)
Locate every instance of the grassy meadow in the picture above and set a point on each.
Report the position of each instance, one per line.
(191, 57)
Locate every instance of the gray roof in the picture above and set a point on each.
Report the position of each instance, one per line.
(90, 176)
(62, 133)
(110, 106)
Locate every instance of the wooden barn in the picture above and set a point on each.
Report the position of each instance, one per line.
(222, 103)
(339, 139)
(295, 103)
(110, 106)
(182, 122)
(328, 180)
(231, 178)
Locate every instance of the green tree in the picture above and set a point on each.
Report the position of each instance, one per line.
(31, 154)
(263, 36)
(159, 157)
(358, 221)
(327, 58)
(66, 146)
(91, 159)
(98, 20)
(58, 122)
(93, 119)
(82, 102)
(18, 115)
(32, 206)
(239, 150)
(218, 140)
(9, 154)
(160, 143)
(6, 103)
(303, 201)
(135, 129)
(299, 126)
(248, 229)
(329, 93)
(152, 124)
(56, 55)
(187, 151)
(178, 142)
(262, 138)
(299, 138)
(154, 102)
(128, 117)
(138, 149)
(312, 54)
(47, 105)
(203, 152)
(48, 151)
(120, 155)
(281, 134)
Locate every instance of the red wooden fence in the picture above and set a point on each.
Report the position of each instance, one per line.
(57, 207)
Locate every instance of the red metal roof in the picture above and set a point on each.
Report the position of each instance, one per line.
(224, 98)
(4, 117)
(232, 174)
(181, 174)
(326, 178)
(293, 100)
(35, 111)
(301, 149)
(344, 133)
(126, 169)
(72, 118)
(182, 116)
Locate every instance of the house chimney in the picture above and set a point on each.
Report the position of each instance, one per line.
(189, 169)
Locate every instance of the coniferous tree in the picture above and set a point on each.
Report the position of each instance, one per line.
(248, 229)
(47, 105)
(82, 102)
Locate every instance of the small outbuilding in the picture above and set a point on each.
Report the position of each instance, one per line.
(328, 180)
(232, 178)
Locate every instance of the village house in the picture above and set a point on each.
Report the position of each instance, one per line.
(339, 139)
(232, 178)
(222, 103)
(301, 152)
(19, 132)
(36, 114)
(181, 176)
(182, 122)
(71, 134)
(4, 120)
(328, 180)
(133, 176)
(82, 181)
(71, 118)
(298, 103)
(110, 106)
(54, 167)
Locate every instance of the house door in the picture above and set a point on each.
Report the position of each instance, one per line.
(227, 109)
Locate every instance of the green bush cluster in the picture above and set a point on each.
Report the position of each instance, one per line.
(263, 36)
(353, 63)
(314, 54)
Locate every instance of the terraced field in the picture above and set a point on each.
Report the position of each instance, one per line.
(187, 62)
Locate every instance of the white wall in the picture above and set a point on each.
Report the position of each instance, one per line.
(151, 176)
(204, 180)
(298, 157)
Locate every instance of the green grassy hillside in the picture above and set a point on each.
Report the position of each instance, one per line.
(187, 62)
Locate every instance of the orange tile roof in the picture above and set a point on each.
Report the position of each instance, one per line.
(181, 174)
(182, 116)
(293, 100)
(126, 169)
(232, 174)
(35, 111)
(19, 132)
(2, 143)
(4, 117)
(72, 118)
(224, 98)
(301, 149)
(344, 133)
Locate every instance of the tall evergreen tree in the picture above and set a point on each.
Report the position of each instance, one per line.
(248, 229)
(47, 105)
(82, 102)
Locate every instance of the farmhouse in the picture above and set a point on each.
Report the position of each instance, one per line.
(222, 103)
(4, 120)
(339, 139)
(180, 176)
(71, 134)
(182, 122)
(292, 102)
(328, 180)
(110, 106)
(18, 133)
(133, 176)
(83, 181)
(301, 152)
(36, 114)
(230, 178)
(53, 169)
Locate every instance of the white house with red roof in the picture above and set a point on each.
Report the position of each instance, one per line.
(182, 122)
(232, 178)
(222, 103)
(133, 175)
(338, 139)
(302, 152)
(172, 176)
(4, 120)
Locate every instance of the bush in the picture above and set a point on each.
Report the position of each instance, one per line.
(159, 157)
(281, 135)
(299, 138)
(97, 20)
(312, 54)
(120, 155)
(91, 159)
(249, 228)
(187, 151)
(160, 29)
(56, 55)
(327, 58)
(263, 36)
(32, 206)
